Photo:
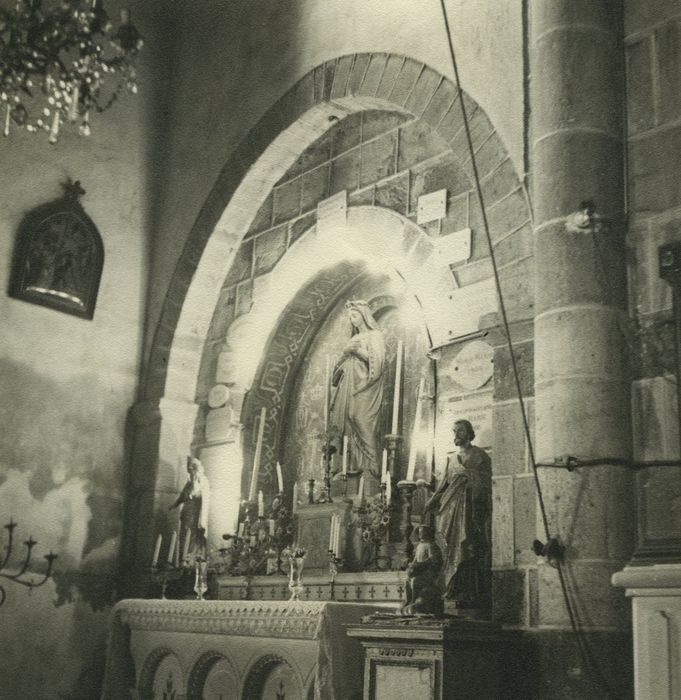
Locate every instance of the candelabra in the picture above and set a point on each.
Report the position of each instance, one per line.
(258, 539)
(407, 489)
(19, 577)
(162, 573)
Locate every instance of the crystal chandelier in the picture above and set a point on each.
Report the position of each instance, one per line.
(60, 64)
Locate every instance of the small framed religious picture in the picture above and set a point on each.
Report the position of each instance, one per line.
(58, 256)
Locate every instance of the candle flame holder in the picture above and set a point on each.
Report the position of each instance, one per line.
(20, 577)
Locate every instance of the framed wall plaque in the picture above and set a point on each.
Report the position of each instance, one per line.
(58, 256)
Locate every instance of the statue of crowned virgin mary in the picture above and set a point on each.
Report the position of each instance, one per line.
(357, 393)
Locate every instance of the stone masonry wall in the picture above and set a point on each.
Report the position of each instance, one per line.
(653, 55)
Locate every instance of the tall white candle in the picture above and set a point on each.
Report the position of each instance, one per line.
(429, 453)
(261, 505)
(336, 542)
(396, 393)
(171, 549)
(331, 529)
(327, 380)
(177, 552)
(388, 488)
(242, 528)
(384, 464)
(187, 540)
(256, 459)
(360, 490)
(280, 479)
(413, 448)
(273, 529)
(345, 454)
(294, 505)
(157, 550)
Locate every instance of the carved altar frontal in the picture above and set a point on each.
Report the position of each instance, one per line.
(233, 649)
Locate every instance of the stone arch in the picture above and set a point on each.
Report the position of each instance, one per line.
(202, 669)
(148, 672)
(335, 90)
(257, 674)
(343, 86)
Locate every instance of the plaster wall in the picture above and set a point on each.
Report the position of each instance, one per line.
(234, 60)
(67, 384)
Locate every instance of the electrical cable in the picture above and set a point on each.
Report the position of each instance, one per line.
(581, 643)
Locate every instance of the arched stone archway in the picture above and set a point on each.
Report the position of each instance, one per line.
(326, 95)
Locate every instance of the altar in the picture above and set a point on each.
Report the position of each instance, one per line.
(214, 650)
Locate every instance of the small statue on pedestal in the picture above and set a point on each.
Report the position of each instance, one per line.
(424, 596)
(194, 499)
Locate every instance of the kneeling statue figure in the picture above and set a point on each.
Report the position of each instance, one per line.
(424, 596)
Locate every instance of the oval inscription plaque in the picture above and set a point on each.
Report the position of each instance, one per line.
(474, 365)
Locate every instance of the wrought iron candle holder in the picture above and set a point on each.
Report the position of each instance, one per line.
(335, 563)
(164, 572)
(407, 489)
(19, 577)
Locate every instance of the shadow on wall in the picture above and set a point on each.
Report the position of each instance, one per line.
(62, 454)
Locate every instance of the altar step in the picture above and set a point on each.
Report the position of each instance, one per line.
(360, 587)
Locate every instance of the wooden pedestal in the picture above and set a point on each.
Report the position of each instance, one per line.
(428, 659)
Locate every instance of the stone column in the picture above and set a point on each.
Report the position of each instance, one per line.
(581, 376)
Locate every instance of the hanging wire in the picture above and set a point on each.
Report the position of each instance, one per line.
(585, 652)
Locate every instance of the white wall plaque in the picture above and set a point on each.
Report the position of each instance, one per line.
(431, 206)
(453, 247)
(218, 396)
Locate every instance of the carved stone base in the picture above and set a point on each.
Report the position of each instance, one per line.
(428, 658)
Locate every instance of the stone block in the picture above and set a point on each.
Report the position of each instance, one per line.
(393, 194)
(640, 15)
(668, 65)
(376, 122)
(516, 246)
(341, 76)
(502, 521)
(315, 187)
(242, 267)
(499, 184)
(564, 283)
(640, 104)
(600, 603)
(393, 67)
(329, 74)
(595, 172)
(457, 214)
(508, 596)
(504, 381)
(507, 214)
(654, 418)
(509, 440)
(479, 244)
(345, 172)
(359, 68)
(318, 84)
(445, 173)
(582, 13)
(219, 423)
(582, 340)
(346, 133)
(441, 101)
(418, 142)
(405, 81)
(490, 155)
(373, 74)
(480, 128)
(423, 91)
(472, 272)
(268, 249)
(263, 219)
(298, 227)
(452, 122)
(590, 100)
(315, 154)
(244, 297)
(524, 519)
(287, 200)
(361, 198)
(378, 158)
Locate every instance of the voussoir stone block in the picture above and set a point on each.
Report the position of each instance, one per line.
(359, 68)
(373, 74)
(405, 81)
(341, 76)
(423, 91)
(392, 69)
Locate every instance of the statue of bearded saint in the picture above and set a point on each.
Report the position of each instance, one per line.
(357, 393)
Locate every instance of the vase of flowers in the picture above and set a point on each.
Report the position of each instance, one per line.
(296, 560)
